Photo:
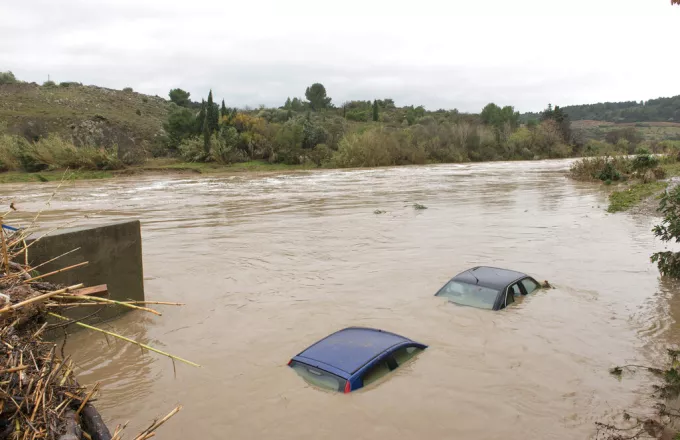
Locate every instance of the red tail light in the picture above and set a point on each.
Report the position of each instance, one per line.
(348, 387)
(290, 362)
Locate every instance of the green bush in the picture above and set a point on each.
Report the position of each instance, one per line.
(70, 84)
(668, 262)
(128, 90)
(602, 168)
(7, 78)
(191, 150)
(644, 161)
(49, 84)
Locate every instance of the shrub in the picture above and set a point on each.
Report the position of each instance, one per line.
(224, 147)
(644, 161)
(9, 153)
(191, 150)
(320, 155)
(128, 90)
(668, 262)
(7, 78)
(138, 112)
(69, 84)
(377, 146)
(49, 84)
(145, 99)
(603, 168)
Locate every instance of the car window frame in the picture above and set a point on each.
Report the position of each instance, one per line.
(524, 290)
(358, 376)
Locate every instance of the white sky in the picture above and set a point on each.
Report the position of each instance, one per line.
(438, 53)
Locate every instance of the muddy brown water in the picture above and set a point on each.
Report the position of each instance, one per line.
(268, 264)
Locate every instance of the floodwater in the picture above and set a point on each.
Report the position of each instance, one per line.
(268, 264)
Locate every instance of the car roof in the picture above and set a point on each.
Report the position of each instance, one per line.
(350, 349)
(491, 277)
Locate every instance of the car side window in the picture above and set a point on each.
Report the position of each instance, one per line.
(529, 285)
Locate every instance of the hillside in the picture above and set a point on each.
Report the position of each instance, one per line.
(86, 114)
(653, 110)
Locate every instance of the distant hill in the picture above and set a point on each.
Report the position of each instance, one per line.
(85, 114)
(654, 110)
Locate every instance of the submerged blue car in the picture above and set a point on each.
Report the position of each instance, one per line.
(353, 357)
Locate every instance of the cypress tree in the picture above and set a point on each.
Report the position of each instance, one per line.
(375, 111)
(223, 110)
(212, 114)
(200, 119)
(207, 134)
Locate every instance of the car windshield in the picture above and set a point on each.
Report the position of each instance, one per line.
(469, 294)
(319, 378)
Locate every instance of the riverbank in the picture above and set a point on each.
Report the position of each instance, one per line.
(160, 166)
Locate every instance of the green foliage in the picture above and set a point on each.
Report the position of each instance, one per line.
(604, 168)
(561, 119)
(207, 135)
(644, 161)
(138, 112)
(498, 117)
(375, 147)
(192, 150)
(70, 84)
(180, 125)
(49, 83)
(316, 95)
(212, 114)
(225, 146)
(668, 230)
(630, 134)
(51, 153)
(180, 97)
(128, 90)
(7, 78)
(223, 110)
(660, 110)
(375, 111)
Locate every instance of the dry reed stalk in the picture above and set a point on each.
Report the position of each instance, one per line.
(29, 269)
(132, 341)
(39, 277)
(87, 397)
(147, 433)
(40, 298)
(109, 301)
(4, 247)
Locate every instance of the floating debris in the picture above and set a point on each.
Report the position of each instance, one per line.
(378, 211)
(40, 397)
(418, 206)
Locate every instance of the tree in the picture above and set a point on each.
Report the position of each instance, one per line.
(558, 115)
(375, 111)
(212, 114)
(316, 95)
(287, 104)
(223, 111)
(207, 135)
(7, 78)
(668, 262)
(180, 97)
(200, 119)
(179, 126)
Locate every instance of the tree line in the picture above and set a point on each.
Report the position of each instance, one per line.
(357, 133)
(653, 110)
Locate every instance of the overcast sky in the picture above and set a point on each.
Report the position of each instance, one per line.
(438, 53)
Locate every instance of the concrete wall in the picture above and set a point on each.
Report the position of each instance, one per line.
(114, 252)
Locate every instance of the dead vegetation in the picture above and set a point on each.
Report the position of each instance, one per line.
(40, 397)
